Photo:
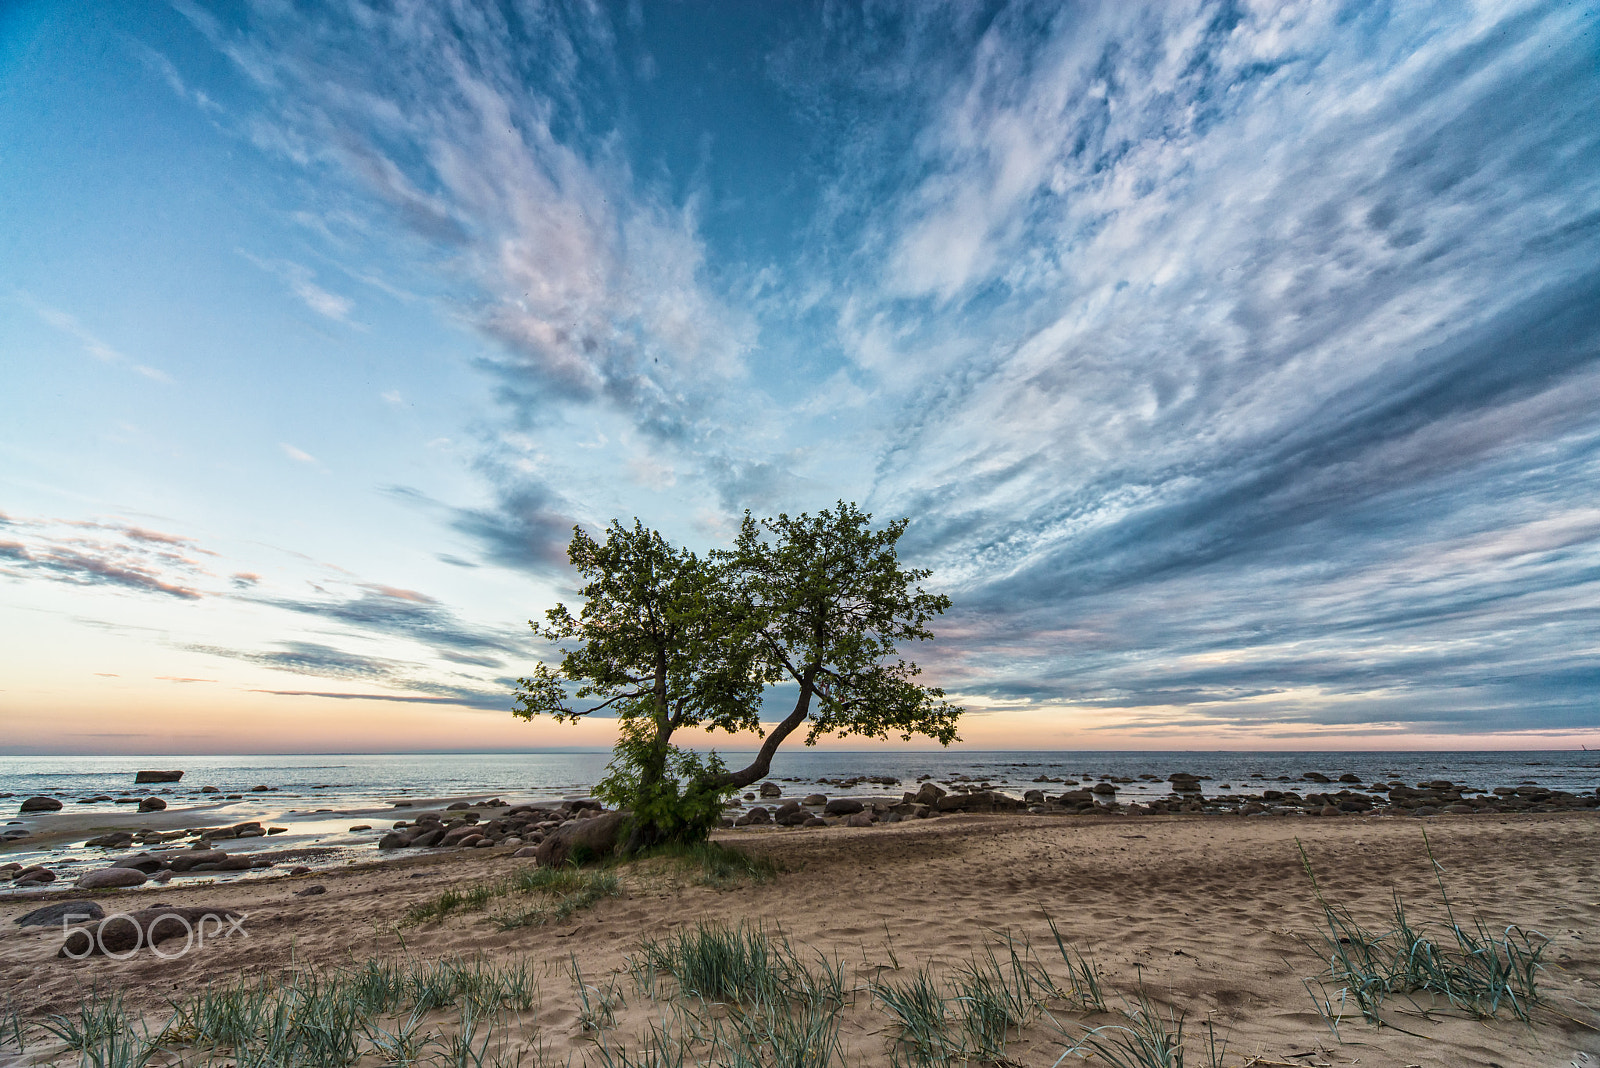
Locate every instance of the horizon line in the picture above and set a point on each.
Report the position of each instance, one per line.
(595, 751)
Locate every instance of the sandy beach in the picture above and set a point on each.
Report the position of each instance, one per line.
(1210, 917)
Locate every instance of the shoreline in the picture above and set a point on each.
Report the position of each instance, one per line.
(269, 827)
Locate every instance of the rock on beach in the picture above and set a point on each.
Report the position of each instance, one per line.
(111, 878)
(596, 836)
(51, 915)
(40, 804)
(154, 926)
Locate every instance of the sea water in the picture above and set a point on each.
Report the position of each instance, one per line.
(346, 780)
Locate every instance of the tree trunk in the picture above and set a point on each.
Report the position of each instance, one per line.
(652, 770)
(762, 764)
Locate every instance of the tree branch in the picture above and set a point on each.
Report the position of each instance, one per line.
(762, 764)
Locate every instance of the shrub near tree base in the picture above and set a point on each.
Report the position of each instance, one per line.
(670, 640)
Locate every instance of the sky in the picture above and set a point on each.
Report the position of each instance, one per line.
(1236, 364)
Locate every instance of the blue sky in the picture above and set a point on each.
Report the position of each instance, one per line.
(1238, 365)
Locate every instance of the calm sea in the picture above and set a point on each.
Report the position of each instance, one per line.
(351, 779)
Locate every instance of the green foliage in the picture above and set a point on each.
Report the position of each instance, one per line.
(650, 641)
(669, 640)
(826, 603)
(681, 802)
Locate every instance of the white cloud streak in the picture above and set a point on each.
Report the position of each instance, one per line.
(91, 342)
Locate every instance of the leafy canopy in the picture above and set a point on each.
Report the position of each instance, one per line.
(648, 640)
(828, 604)
(671, 640)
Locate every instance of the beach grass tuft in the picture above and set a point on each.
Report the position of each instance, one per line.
(1149, 1039)
(572, 891)
(721, 867)
(1085, 987)
(1477, 969)
(14, 1028)
(994, 1003)
(922, 1013)
(569, 889)
(96, 1020)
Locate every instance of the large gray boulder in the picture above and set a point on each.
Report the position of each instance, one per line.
(843, 806)
(152, 804)
(158, 776)
(188, 860)
(40, 804)
(110, 878)
(155, 925)
(51, 915)
(590, 839)
(929, 794)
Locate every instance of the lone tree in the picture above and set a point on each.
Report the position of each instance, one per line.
(670, 640)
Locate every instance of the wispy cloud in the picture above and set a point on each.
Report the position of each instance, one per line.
(1272, 307)
(590, 283)
(301, 281)
(408, 614)
(466, 698)
(102, 553)
(323, 661)
(92, 344)
(299, 456)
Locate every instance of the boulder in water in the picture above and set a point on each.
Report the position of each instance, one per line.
(110, 878)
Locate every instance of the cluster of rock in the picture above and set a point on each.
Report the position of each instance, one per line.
(146, 804)
(818, 810)
(46, 803)
(26, 875)
(206, 835)
(128, 931)
(1393, 798)
(1187, 796)
(136, 870)
(124, 933)
(523, 827)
